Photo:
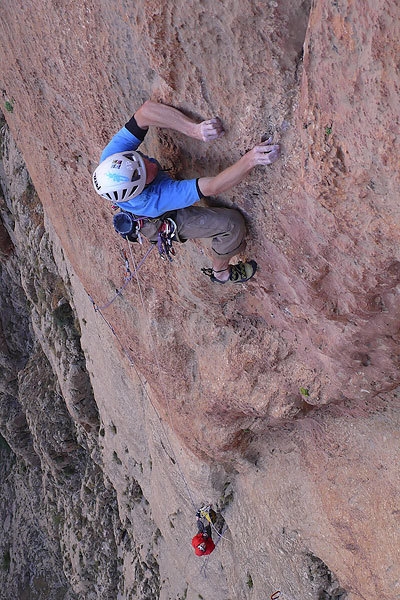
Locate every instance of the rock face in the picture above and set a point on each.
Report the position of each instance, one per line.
(60, 521)
(279, 399)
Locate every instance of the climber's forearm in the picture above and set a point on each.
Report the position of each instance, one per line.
(161, 115)
(227, 179)
(262, 154)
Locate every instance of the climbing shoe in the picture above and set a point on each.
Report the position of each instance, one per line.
(239, 273)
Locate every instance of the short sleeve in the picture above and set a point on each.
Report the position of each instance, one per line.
(163, 195)
(122, 141)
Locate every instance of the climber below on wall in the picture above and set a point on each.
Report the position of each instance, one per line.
(202, 542)
(160, 208)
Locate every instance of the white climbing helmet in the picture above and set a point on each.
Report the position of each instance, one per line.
(120, 177)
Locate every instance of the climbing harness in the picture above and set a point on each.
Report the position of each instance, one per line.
(129, 226)
(204, 512)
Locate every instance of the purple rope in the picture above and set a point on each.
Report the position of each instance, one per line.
(121, 289)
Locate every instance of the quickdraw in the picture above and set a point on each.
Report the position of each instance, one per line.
(139, 225)
(128, 271)
(127, 278)
(166, 233)
(129, 226)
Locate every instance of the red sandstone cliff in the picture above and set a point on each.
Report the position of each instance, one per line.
(291, 379)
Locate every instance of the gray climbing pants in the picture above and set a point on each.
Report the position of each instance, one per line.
(224, 226)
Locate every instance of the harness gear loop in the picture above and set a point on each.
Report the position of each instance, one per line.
(166, 234)
(129, 225)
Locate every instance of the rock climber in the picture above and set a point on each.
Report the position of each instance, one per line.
(202, 542)
(140, 188)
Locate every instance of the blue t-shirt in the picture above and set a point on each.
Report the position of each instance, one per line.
(161, 195)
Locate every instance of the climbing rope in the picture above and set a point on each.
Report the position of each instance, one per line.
(128, 277)
(99, 309)
(203, 569)
(166, 399)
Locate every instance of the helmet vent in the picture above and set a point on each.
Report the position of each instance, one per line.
(120, 177)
